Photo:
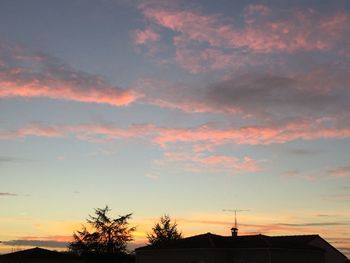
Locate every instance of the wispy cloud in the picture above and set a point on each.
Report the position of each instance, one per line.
(342, 171)
(58, 238)
(10, 159)
(164, 137)
(193, 149)
(36, 243)
(7, 194)
(26, 74)
(272, 225)
(205, 163)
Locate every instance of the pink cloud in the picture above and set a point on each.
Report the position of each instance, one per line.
(247, 135)
(207, 163)
(334, 25)
(191, 149)
(234, 164)
(88, 132)
(23, 74)
(165, 137)
(56, 89)
(193, 26)
(142, 37)
(32, 130)
(265, 30)
(253, 135)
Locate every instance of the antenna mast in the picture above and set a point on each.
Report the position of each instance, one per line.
(235, 218)
(234, 230)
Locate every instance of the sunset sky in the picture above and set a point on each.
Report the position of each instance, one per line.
(174, 107)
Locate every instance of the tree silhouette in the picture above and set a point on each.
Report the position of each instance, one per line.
(164, 231)
(107, 235)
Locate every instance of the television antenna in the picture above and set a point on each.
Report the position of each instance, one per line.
(235, 211)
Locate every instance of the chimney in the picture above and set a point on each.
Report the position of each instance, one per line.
(234, 231)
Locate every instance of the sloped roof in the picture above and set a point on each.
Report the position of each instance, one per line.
(209, 240)
(301, 239)
(36, 253)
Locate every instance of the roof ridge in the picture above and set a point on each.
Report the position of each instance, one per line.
(297, 235)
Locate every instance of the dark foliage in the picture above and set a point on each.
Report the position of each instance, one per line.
(104, 236)
(164, 231)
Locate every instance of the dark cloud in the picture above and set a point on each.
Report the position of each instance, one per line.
(36, 243)
(321, 94)
(279, 97)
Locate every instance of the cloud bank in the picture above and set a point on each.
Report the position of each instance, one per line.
(205, 42)
(321, 92)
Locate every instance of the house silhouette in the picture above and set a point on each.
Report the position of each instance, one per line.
(38, 255)
(211, 248)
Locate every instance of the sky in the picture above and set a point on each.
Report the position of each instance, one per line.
(187, 108)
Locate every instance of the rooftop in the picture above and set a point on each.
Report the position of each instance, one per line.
(36, 253)
(210, 240)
